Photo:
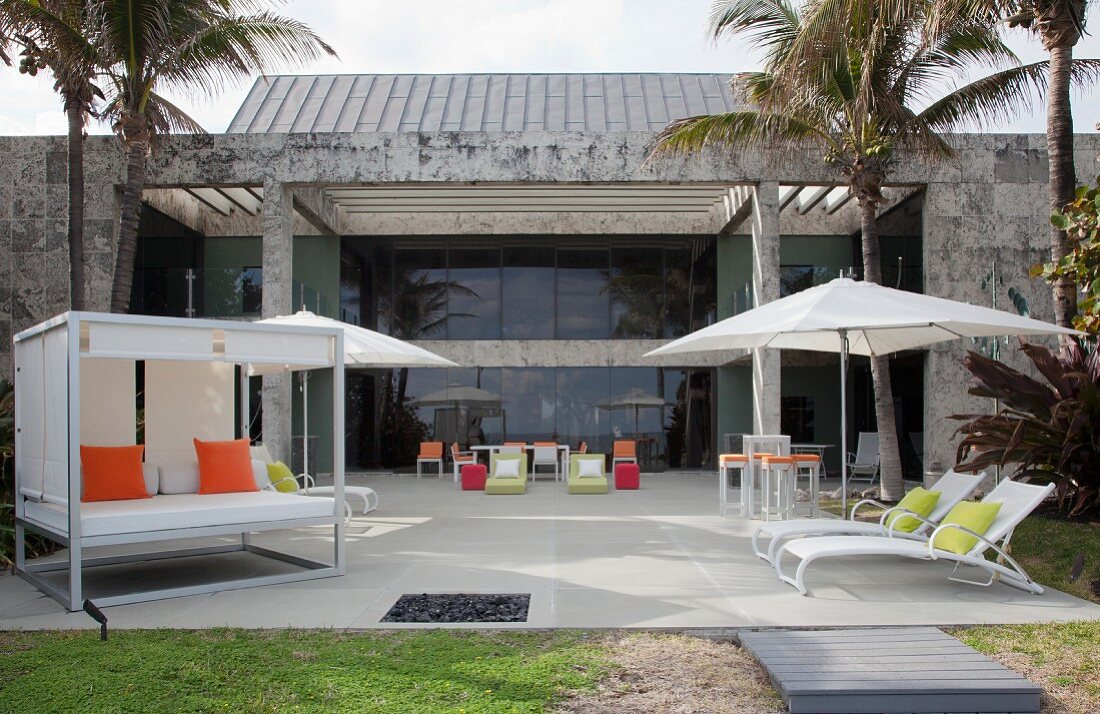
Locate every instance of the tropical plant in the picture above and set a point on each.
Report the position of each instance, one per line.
(59, 35)
(1080, 220)
(864, 81)
(149, 46)
(1050, 430)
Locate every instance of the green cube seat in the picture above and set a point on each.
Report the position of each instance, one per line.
(506, 486)
(576, 484)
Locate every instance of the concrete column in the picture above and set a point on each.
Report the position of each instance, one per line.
(277, 263)
(765, 286)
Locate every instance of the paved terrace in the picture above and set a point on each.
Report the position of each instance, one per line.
(658, 557)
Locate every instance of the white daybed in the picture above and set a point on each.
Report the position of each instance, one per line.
(75, 383)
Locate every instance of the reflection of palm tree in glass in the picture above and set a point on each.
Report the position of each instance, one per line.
(416, 310)
(638, 296)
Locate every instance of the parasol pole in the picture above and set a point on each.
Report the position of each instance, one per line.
(844, 423)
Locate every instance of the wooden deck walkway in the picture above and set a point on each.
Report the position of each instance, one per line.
(891, 670)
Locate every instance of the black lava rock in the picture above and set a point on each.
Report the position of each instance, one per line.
(459, 608)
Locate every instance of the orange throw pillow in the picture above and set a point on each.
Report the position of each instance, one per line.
(225, 466)
(112, 473)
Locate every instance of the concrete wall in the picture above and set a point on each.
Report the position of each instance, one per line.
(989, 204)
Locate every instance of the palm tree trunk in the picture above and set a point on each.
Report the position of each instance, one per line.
(128, 226)
(1063, 177)
(890, 476)
(75, 115)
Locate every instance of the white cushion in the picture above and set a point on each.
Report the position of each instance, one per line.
(259, 472)
(164, 512)
(589, 468)
(179, 477)
(507, 468)
(151, 472)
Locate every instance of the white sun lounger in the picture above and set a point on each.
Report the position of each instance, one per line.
(953, 487)
(1017, 501)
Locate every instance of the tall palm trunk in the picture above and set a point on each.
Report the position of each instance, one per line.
(75, 114)
(1063, 177)
(890, 475)
(136, 139)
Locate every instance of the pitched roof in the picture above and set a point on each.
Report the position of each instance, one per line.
(478, 102)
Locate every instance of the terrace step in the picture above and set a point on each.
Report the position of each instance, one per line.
(887, 671)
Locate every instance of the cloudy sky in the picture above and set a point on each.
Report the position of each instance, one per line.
(442, 36)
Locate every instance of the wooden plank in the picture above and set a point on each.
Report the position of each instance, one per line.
(952, 704)
(931, 666)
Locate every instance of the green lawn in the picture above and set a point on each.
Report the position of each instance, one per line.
(281, 671)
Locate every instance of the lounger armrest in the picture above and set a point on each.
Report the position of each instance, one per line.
(274, 485)
(1001, 553)
(307, 481)
(901, 512)
(870, 502)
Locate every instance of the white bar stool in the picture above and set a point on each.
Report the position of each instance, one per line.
(778, 476)
(809, 465)
(725, 463)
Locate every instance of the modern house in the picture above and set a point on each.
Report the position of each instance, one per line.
(513, 224)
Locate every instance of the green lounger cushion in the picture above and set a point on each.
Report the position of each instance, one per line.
(919, 501)
(976, 516)
(586, 463)
(508, 475)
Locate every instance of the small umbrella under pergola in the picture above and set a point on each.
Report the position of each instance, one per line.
(633, 399)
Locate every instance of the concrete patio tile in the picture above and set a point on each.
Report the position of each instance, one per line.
(644, 607)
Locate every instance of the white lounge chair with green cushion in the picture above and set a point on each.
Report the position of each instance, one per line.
(283, 479)
(953, 487)
(507, 475)
(1014, 501)
(586, 474)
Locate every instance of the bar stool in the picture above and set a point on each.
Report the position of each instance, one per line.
(808, 465)
(777, 480)
(725, 463)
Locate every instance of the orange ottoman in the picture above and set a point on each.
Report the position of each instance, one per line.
(627, 477)
(473, 477)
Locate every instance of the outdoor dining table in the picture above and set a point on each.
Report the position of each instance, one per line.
(563, 451)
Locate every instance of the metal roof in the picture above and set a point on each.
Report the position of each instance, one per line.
(478, 102)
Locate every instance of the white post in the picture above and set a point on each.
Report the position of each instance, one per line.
(72, 348)
(338, 448)
(844, 423)
(305, 426)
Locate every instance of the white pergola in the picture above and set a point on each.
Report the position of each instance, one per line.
(75, 383)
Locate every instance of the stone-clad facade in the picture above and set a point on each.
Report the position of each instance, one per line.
(988, 204)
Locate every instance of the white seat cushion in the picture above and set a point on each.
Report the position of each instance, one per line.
(164, 512)
(589, 468)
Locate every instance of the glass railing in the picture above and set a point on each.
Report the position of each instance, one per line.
(233, 293)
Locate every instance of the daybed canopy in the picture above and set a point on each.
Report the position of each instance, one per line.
(76, 383)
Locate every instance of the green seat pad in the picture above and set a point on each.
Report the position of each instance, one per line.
(277, 472)
(920, 501)
(505, 486)
(976, 516)
(589, 484)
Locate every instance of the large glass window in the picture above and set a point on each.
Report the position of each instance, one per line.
(528, 400)
(528, 293)
(474, 289)
(637, 292)
(582, 295)
(579, 418)
(417, 306)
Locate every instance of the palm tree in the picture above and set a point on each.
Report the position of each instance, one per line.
(864, 100)
(192, 45)
(58, 35)
(1060, 24)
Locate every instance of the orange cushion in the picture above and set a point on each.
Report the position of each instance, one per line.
(733, 458)
(112, 473)
(225, 466)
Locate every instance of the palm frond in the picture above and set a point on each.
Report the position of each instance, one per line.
(742, 128)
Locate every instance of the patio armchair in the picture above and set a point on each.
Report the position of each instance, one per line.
(1015, 502)
(431, 452)
(284, 481)
(864, 464)
(507, 475)
(953, 487)
(586, 474)
(461, 458)
(624, 451)
(545, 455)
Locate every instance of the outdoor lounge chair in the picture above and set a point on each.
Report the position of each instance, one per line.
(1017, 501)
(545, 455)
(579, 483)
(461, 458)
(952, 487)
(364, 496)
(431, 452)
(500, 484)
(864, 464)
(624, 451)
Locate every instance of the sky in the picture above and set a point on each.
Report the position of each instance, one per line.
(444, 36)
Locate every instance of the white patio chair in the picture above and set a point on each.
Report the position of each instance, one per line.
(545, 456)
(953, 487)
(366, 497)
(863, 465)
(1018, 500)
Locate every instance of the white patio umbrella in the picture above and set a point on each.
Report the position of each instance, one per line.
(454, 394)
(855, 317)
(362, 348)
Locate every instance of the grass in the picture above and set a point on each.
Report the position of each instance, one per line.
(287, 671)
(1062, 657)
(1047, 548)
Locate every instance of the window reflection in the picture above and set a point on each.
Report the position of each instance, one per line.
(637, 292)
(579, 390)
(474, 306)
(528, 293)
(582, 310)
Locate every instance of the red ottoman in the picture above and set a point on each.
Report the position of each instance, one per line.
(473, 477)
(627, 476)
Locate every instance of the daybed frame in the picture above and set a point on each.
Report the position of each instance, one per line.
(259, 348)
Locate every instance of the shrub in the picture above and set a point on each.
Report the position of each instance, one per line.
(1049, 429)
